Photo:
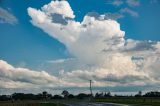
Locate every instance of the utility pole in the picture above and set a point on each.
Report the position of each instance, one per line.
(90, 81)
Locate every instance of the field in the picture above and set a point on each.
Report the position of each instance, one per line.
(131, 100)
(30, 104)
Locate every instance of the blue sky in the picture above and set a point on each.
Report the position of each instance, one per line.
(24, 38)
(24, 45)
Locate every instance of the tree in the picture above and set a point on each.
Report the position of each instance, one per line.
(139, 94)
(39, 96)
(44, 93)
(71, 96)
(57, 97)
(83, 95)
(108, 94)
(152, 94)
(99, 95)
(5, 97)
(65, 93)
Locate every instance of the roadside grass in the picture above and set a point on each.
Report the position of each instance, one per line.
(51, 104)
(31, 104)
(131, 100)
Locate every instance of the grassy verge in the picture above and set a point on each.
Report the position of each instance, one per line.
(133, 100)
(31, 104)
(51, 104)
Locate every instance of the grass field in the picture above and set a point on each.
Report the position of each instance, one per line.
(131, 100)
(31, 104)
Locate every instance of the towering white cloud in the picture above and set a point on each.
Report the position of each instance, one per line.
(98, 42)
(80, 37)
(57, 7)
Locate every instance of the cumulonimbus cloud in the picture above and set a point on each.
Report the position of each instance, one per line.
(98, 42)
(79, 37)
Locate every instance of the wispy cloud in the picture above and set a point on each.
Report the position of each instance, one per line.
(125, 9)
(117, 2)
(7, 17)
(133, 2)
(58, 61)
(113, 16)
(130, 12)
(153, 1)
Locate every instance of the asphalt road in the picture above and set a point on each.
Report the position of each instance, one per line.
(98, 104)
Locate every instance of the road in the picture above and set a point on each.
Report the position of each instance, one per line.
(98, 104)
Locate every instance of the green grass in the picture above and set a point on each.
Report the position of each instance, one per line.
(129, 100)
(51, 104)
(31, 104)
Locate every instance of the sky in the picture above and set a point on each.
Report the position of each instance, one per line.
(50, 44)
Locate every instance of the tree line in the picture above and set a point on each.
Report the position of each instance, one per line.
(66, 95)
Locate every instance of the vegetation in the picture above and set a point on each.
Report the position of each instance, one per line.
(149, 98)
(44, 99)
(31, 104)
(131, 100)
